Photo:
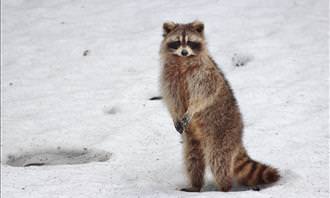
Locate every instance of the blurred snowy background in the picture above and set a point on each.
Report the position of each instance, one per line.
(77, 75)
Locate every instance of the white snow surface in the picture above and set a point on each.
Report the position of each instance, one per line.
(53, 98)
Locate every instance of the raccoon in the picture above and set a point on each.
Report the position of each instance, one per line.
(204, 110)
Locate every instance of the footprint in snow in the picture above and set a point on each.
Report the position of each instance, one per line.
(240, 59)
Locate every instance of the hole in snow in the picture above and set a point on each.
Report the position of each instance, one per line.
(111, 111)
(58, 157)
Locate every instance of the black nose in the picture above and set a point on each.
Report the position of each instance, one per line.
(184, 52)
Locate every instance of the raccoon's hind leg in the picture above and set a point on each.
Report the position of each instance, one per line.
(220, 164)
(195, 164)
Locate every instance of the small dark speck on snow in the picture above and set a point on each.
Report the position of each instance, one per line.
(86, 52)
(156, 98)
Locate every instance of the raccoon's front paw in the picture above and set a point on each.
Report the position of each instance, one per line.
(178, 126)
(185, 121)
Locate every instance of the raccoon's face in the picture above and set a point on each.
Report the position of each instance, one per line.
(183, 39)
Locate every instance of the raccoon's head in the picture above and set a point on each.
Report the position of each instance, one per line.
(183, 40)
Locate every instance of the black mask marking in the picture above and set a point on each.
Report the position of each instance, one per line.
(194, 45)
(174, 45)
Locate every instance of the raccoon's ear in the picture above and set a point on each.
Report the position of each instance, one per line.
(198, 26)
(168, 26)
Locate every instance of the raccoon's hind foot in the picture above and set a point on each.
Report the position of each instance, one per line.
(225, 188)
(256, 188)
(191, 189)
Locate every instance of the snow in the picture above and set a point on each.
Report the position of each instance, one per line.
(57, 101)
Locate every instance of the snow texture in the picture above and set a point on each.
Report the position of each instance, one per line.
(79, 74)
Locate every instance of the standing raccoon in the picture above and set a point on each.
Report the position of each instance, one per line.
(204, 110)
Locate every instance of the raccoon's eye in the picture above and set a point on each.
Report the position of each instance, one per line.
(174, 45)
(194, 45)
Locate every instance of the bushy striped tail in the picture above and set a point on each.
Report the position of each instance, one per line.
(251, 173)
